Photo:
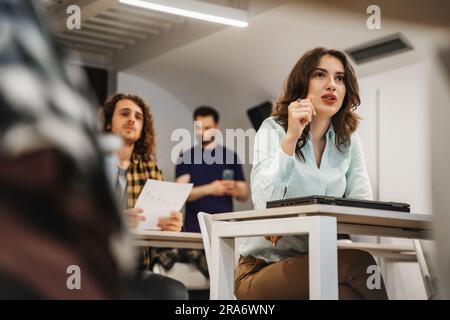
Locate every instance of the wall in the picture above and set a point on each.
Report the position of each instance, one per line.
(398, 155)
(438, 119)
(170, 114)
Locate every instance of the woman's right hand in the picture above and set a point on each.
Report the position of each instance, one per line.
(300, 113)
(134, 217)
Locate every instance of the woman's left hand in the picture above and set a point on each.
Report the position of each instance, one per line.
(172, 223)
(273, 239)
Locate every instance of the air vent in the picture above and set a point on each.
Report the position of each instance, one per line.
(379, 48)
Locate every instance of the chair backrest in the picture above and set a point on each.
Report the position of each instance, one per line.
(425, 257)
(204, 220)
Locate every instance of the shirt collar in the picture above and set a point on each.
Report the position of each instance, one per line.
(329, 134)
(330, 131)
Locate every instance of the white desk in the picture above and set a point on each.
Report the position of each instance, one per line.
(168, 239)
(321, 223)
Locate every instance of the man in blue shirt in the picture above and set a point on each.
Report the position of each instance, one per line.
(216, 182)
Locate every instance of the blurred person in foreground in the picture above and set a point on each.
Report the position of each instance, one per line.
(57, 208)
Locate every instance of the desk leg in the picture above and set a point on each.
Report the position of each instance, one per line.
(222, 269)
(323, 275)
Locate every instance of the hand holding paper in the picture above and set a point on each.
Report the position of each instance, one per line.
(159, 199)
(172, 223)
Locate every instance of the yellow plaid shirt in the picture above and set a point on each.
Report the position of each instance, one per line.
(138, 172)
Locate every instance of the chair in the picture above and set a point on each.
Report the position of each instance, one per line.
(187, 274)
(204, 220)
(420, 251)
(425, 256)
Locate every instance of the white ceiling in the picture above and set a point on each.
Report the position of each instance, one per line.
(235, 69)
(107, 26)
(119, 35)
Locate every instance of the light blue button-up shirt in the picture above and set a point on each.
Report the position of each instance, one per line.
(275, 175)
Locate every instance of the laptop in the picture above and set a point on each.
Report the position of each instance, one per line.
(336, 201)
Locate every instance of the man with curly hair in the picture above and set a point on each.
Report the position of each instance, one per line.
(129, 117)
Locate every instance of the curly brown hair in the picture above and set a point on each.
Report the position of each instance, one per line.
(146, 144)
(345, 121)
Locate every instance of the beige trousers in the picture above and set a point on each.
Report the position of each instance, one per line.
(289, 279)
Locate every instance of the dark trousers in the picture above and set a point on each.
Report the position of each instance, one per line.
(153, 286)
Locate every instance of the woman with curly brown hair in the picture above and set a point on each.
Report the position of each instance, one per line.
(308, 147)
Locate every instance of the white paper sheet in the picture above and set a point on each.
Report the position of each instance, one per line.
(160, 198)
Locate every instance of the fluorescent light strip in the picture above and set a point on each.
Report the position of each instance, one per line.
(154, 5)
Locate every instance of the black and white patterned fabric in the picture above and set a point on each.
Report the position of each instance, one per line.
(56, 204)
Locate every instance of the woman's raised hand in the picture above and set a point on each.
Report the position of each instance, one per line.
(300, 113)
